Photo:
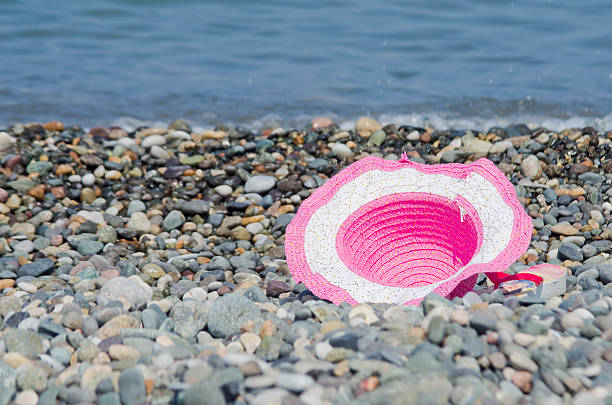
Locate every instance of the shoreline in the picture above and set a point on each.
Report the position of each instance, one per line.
(148, 265)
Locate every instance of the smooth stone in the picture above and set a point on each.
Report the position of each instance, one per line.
(260, 184)
(27, 397)
(153, 140)
(88, 179)
(570, 251)
(250, 342)
(294, 382)
(36, 268)
(470, 145)
(132, 387)
(6, 141)
(341, 150)
(128, 291)
(224, 190)
(27, 343)
(22, 185)
(24, 246)
(605, 273)
(483, 324)
(173, 220)
(189, 318)
(136, 206)
(436, 330)
(159, 152)
(471, 298)
(204, 393)
(139, 222)
(564, 228)
(377, 138)
(39, 167)
(88, 247)
(592, 178)
(30, 377)
(246, 260)
(229, 313)
(364, 126)
(530, 167)
(194, 207)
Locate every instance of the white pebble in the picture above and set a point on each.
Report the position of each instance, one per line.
(127, 142)
(159, 152)
(25, 246)
(88, 179)
(173, 135)
(254, 228)
(75, 178)
(413, 136)
(27, 397)
(163, 361)
(99, 172)
(6, 141)
(27, 287)
(153, 140)
(322, 349)
(341, 150)
(223, 190)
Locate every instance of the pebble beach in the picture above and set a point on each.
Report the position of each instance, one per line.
(147, 266)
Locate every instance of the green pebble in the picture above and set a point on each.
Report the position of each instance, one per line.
(192, 160)
(39, 167)
(377, 138)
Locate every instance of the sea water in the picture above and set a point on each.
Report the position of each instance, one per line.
(469, 63)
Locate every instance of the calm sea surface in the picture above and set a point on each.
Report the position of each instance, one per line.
(450, 63)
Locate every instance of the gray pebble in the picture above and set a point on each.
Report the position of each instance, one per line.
(228, 314)
(132, 387)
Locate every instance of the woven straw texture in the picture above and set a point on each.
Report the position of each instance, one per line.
(394, 231)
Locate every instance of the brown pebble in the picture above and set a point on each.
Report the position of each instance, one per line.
(54, 126)
(12, 162)
(286, 209)
(99, 131)
(250, 220)
(110, 273)
(223, 290)
(64, 169)
(342, 368)
(6, 283)
(58, 192)
(38, 192)
(268, 328)
(522, 379)
(369, 384)
(492, 337)
(322, 122)
(149, 385)
(56, 240)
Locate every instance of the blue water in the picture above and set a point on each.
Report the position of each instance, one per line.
(449, 62)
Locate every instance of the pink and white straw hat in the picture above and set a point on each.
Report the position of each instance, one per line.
(394, 231)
